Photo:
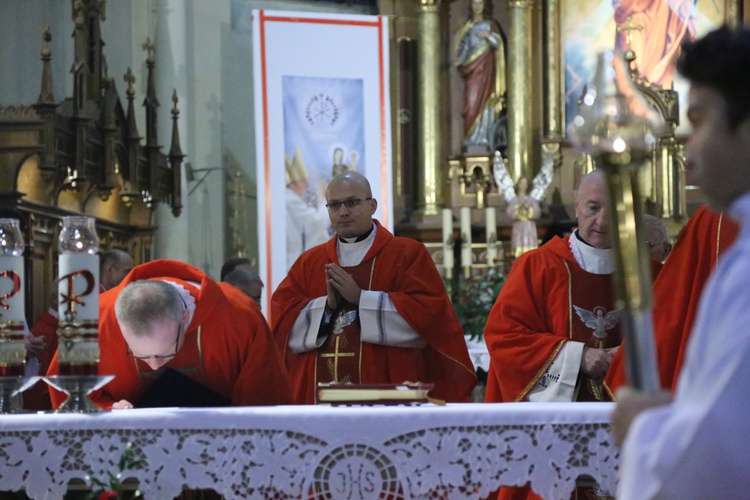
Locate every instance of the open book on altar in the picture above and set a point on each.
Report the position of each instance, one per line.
(375, 394)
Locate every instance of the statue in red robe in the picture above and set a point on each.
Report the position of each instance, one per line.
(480, 59)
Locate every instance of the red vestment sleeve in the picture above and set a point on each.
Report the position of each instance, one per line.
(528, 325)
(677, 290)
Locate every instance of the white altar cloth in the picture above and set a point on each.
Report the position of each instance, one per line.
(454, 451)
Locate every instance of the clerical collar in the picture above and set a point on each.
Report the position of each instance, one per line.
(361, 237)
(352, 252)
(187, 298)
(592, 260)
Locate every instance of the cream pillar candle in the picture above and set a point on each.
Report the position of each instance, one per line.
(466, 237)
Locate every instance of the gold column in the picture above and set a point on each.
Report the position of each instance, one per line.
(554, 121)
(429, 185)
(519, 88)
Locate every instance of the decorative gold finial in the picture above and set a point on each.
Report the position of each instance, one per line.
(78, 14)
(149, 47)
(175, 100)
(629, 28)
(131, 80)
(47, 38)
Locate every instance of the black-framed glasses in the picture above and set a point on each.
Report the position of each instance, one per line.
(652, 244)
(335, 206)
(157, 356)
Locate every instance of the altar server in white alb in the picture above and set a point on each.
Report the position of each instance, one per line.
(696, 446)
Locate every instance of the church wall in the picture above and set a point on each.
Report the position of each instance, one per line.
(21, 26)
(237, 119)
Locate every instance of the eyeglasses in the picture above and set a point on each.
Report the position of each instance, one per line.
(652, 244)
(335, 206)
(157, 356)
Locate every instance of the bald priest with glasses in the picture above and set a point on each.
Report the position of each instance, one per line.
(367, 307)
(172, 336)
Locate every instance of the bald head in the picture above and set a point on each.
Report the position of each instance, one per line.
(592, 210)
(657, 238)
(350, 204)
(350, 178)
(114, 266)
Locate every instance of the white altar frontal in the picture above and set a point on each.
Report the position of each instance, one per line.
(396, 452)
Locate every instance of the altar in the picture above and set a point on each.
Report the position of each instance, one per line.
(399, 452)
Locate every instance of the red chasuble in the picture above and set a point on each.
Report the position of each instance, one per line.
(228, 347)
(547, 300)
(404, 269)
(677, 292)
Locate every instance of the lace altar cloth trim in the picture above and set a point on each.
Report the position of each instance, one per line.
(457, 451)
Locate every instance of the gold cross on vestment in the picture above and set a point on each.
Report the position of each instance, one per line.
(333, 365)
(629, 28)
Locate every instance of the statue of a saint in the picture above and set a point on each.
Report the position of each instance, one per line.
(480, 58)
(523, 209)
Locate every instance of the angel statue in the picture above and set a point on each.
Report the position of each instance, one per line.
(523, 208)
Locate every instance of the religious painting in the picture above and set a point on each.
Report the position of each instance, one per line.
(322, 106)
(323, 137)
(653, 30)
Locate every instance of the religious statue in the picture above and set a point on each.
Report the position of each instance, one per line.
(523, 208)
(480, 59)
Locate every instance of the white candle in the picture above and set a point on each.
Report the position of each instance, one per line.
(448, 238)
(78, 287)
(465, 236)
(491, 230)
(11, 288)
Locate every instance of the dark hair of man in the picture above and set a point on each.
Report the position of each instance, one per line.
(231, 264)
(145, 302)
(721, 61)
(240, 277)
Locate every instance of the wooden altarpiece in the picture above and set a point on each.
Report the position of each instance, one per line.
(84, 156)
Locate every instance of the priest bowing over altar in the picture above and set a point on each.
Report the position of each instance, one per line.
(368, 308)
(172, 336)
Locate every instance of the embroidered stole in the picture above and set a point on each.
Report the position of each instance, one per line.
(339, 359)
(593, 297)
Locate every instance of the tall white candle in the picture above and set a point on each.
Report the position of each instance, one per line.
(491, 230)
(465, 236)
(11, 288)
(448, 238)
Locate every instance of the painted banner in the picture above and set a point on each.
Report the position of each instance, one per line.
(321, 108)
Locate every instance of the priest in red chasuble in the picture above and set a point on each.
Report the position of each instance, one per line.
(172, 336)
(554, 328)
(368, 307)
